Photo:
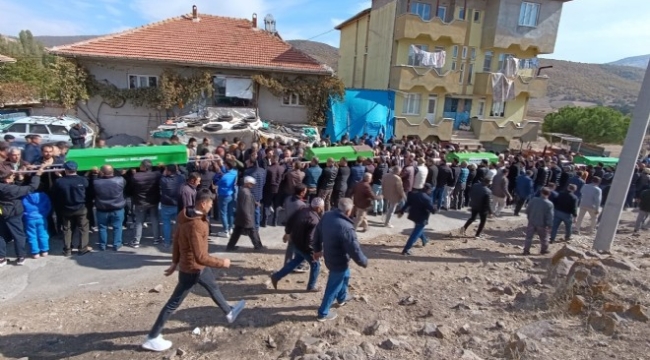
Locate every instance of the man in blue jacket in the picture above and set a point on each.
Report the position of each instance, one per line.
(335, 238)
(226, 183)
(419, 206)
(356, 174)
(312, 175)
(523, 190)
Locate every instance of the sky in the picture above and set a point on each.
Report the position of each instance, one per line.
(595, 31)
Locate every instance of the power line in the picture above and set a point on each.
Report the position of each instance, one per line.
(321, 34)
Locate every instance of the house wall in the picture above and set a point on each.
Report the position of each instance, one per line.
(380, 46)
(139, 121)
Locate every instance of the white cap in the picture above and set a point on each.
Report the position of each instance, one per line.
(249, 180)
(317, 202)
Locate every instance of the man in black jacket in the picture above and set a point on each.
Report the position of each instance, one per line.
(145, 193)
(326, 183)
(565, 206)
(78, 135)
(109, 203)
(445, 176)
(419, 206)
(11, 212)
(70, 198)
(170, 187)
(481, 204)
(299, 230)
(272, 195)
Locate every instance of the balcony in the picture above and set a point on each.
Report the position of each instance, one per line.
(410, 26)
(406, 78)
(534, 87)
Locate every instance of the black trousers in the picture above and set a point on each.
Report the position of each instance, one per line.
(472, 218)
(519, 204)
(239, 231)
(75, 222)
(11, 227)
(269, 212)
(186, 282)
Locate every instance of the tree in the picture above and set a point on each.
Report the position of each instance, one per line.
(598, 125)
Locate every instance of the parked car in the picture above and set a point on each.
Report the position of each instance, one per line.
(51, 129)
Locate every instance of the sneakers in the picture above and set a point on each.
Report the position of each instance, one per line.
(67, 253)
(135, 244)
(36, 256)
(407, 253)
(274, 282)
(390, 226)
(235, 311)
(157, 344)
(94, 229)
(3, 262)
(331, 316)
(300, 270)
(157, 241)
(348, 298)
(223, 234)
(20, 261)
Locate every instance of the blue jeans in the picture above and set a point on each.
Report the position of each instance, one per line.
(258, 216)
(377, 205)
(227, 209)
(417, 233)
(37, 236)
(298, 258)
(167, 214)
(336, 289)
(141, 213)
(106, 219)
(438, 195)
(559, 218)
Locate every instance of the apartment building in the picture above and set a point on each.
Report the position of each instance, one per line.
(390, 45)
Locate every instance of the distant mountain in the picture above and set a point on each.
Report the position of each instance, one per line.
(52, 41)
(635, 61)
(321, 52)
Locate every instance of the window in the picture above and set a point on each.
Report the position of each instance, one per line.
(453, 66)
(58, 130)
(461, 13)
(477, 16)
(472, 53)
(38, 129)
(464, 52)
(142, 81)
(487, 61)
(454, 51)
(481, 108)
(498, 109)
(416, 59)
(411, 104)
(502, 60)
(17, 128)
(462, 73)
(528, 14)
(220, 97)
(442, 12)
(470, 73)
(421, 9)
(292, 99)
(431, 106)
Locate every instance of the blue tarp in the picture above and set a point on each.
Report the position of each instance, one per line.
(362, 112)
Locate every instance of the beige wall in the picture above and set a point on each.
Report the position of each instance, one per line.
(347, 51)
(380, 47)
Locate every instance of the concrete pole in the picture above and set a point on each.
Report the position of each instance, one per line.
(625, 169)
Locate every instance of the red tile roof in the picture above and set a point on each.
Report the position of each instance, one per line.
(6, 59)
(212, 41)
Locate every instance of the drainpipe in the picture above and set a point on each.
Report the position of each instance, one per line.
(539, 70)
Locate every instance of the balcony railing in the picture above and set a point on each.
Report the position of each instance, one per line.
(406, 78)
(411, 26)
(535, 87)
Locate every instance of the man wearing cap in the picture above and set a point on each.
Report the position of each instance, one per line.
(299, 230)
(11, 212)
(245, 217)
(70, 199)
(419, 206)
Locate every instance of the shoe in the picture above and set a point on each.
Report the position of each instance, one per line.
(35, 256)
(314, 290)
(134, 245)
(3, 262)
(544, 252)
(20, 261)
(424, 243)
(85, 251)
(261, 249)
(144, 225)
(234, 312)
(526, 252)
(94, 229)
(101, 249)
(157, 241)
(407, 253)
(274, 282)
(67, 253)
(390, 226)
(44, 254)
(230, 233)
(157, 344)
(234, 248)
(331, 316)
(300, 270)
(223, 234)
(348, 298)
(117, 248)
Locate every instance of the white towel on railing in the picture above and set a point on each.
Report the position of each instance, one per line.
(503, 88)
(434, 59)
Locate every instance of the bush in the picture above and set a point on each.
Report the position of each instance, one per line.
(597, 125)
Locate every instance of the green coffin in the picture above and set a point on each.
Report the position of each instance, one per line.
(473, 158)
(127, 157)
(594, 160)
(337, 152)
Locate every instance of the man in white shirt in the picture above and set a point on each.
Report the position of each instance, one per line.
(591, 197)
(420, 175)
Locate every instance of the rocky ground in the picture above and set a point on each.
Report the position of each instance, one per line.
(457, 298)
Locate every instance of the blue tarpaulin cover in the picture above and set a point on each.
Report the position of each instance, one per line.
(360, 112)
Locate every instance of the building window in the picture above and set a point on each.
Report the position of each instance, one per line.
(461, 13)
(462, 73)
(470, 72)
(481, 108)
(498, 109)
(454, 51)
(453, 66)
(411, 104)
(487, 61)
(142, 81)
(442, 12)
(464, 52)
(529, 14)
(502, 60)
(231, 97)
(292, 99)
(421, 9)
(472, 53)
(416, 59)
(477, 16)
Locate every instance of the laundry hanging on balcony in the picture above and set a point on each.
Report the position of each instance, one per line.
(503, 88)
(510, 67)
(434, 59)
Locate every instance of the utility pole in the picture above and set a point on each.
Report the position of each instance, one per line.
(625, 169)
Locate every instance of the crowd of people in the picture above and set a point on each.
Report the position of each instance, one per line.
(321, 206)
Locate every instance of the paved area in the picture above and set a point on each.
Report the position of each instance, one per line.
(56, 276)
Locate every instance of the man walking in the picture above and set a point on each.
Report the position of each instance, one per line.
(419, 207)
(245, 217)
(500, 192)
(393, 192)
(191, 257)
(326, 183)
(272, 195)
(540, 219)
(480, 203)
(170, 187)
(524, 190)
(299, 231)
(644, 210)
(590, 201)
(335, 238)
(565, 209)
(70, 198)
(363, 198)
(109, 202)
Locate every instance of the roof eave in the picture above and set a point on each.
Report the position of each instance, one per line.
(353, 19)
(197, 63)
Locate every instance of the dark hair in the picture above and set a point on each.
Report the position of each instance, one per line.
(299, 189)
(546, 191)
(146, 164)
(173, 138)
(231, 164)
(172, 169)
(204, 195)
(194, 176)
(62, 145)
(47, 146)
(204, 152)
(4, 146)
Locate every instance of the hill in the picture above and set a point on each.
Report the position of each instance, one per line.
(323, 53)
(635, 61)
